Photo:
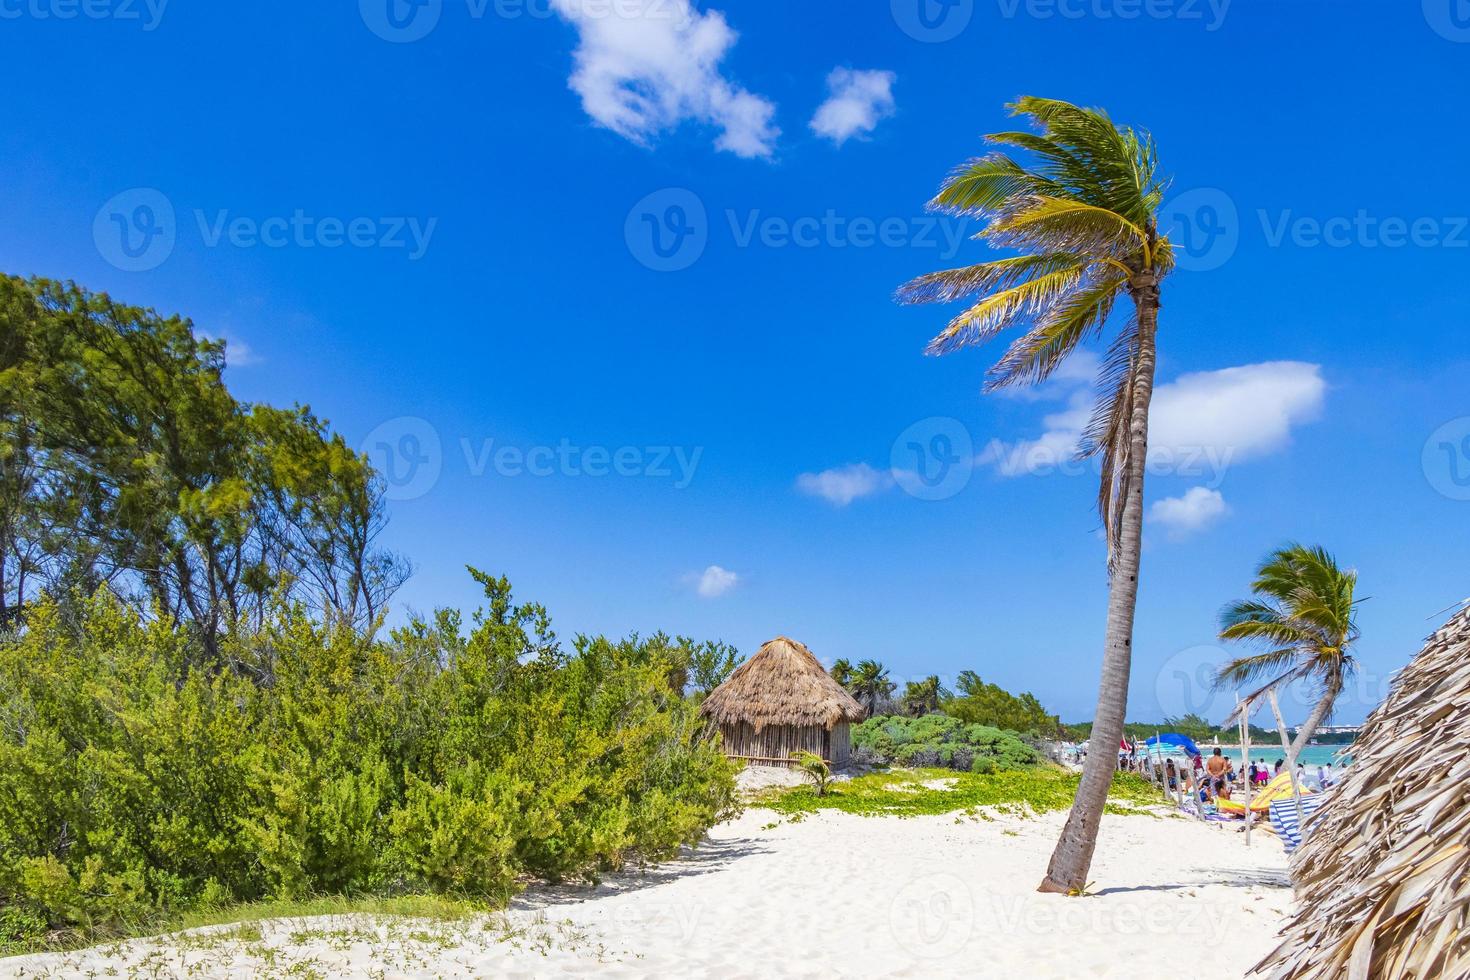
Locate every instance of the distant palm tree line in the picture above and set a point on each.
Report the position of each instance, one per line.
(972, 701)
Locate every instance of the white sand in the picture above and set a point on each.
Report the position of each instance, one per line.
(830, 895)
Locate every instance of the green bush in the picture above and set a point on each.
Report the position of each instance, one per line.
(941, 740)
(136, 786)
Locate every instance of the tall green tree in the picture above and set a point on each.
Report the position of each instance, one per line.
(1303, 622)
(128, 464)
(1082, 214)
(976, 702)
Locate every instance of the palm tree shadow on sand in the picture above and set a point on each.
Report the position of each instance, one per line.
(709, 857)
(1201, 877)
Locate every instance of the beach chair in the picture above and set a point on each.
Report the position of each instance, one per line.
(1284, 819)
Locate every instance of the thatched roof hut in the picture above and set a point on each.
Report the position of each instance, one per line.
(781, 701)
(1383, 878)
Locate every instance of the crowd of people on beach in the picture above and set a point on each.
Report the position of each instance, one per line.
(1215, 777)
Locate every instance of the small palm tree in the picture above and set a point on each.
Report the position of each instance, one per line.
(1083, 216)
(870, 685)
(811, 765)
(923, 697)
(1304, 620)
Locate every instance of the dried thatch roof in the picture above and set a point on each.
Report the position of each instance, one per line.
(1383, 880)
(783, 684)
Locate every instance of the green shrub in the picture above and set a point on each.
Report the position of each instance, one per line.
(941, 740)
(136, 786)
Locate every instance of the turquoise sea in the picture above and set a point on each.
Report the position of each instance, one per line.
(1312, 755)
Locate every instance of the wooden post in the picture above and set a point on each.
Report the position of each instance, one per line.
(1245, 763)
(1296, 791)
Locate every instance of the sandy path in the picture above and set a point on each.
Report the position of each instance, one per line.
(830, 895)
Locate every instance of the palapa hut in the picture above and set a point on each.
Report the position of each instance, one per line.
(781, 701)
(1383, 876)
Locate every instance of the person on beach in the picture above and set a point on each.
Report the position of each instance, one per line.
(1222, 789)
(1216, 767)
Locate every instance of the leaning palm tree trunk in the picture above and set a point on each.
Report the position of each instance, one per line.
(1072, 857)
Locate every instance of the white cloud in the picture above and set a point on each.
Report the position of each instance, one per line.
(1245, 411)
(644, 66)
(856, 101)
(716, 581)
(1198, 508)
(1199, 423)
(843, 485)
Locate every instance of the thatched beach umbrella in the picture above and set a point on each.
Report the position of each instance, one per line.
(781, 701)
(1383, 878)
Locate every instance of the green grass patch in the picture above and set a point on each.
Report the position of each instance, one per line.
(920, 792)
(244, 917)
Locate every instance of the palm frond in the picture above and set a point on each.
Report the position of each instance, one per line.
(1005, 308)
(1057, 224)
(1064, 326)
(948, 285)
(1243, 670)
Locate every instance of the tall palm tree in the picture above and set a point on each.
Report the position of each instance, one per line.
(1304, 621)
(1082, 214)
(870, 685)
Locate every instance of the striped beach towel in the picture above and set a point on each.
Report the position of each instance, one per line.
(1283, 818)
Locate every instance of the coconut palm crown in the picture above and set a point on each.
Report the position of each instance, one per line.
(1304, 622)
(1082, 215)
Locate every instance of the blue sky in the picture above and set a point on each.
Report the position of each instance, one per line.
(445, 245)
